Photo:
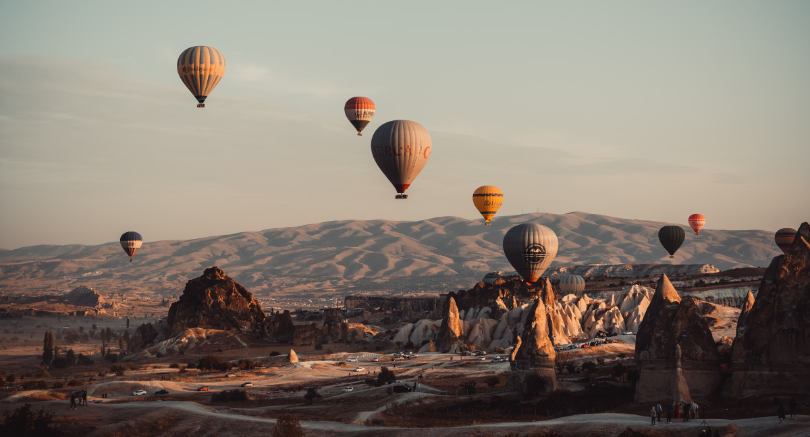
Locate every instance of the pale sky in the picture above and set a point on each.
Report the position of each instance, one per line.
(635, 109)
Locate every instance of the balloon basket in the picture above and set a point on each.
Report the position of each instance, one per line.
(201, 105)
(401, 196)
(359, 134)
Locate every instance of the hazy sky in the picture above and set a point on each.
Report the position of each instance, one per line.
(647, 110)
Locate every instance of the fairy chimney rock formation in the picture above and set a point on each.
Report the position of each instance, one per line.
(746, 308)
(452, 329)
(771, 353)
(293, 356)
(534, 358)
(675, 350)
(215, 301)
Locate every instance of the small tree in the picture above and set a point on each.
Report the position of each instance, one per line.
(312, 394)
(23, 421)
(288, 426)
(492, 381)
(385, 376)
(469, 387)
(47, 348)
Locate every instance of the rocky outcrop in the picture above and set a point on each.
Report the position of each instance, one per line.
(83, 296)
(293, 356)
(533, 360)
(279, 327)
(771, 353)
(216, 301)
(746, 309)
(452, 329)
(675, 350)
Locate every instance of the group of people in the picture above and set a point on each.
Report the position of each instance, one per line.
(685, 411)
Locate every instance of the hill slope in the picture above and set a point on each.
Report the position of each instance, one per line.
(437, 254)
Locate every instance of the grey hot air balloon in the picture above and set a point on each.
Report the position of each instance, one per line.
(401, 149)
(530, 248)
(570, 283)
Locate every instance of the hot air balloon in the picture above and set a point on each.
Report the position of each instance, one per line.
(401, 149)
(570, 283)
(696, 221)
(671, 238)
(359, 111)
(530, 248)
(487, 199)
(784, 238)
(200, 68)
(131, 241)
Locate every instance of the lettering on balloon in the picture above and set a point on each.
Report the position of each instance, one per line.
(534, 254)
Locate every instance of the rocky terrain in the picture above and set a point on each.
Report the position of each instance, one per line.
(318, 264)
(771, 352)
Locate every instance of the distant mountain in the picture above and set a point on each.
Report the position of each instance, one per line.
(341, 257)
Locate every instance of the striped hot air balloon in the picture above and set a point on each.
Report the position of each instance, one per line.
(401, 149)
(570, 283)
(359, 111)
(696, 222)
(530, 248)
(487, 199)
(131, 241)
(200, 68)
(671, 237)
(784, 238)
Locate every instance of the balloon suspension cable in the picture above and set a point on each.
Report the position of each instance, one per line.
(201, 105)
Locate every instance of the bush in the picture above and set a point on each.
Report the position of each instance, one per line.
(247, 364)
(274, 354)
(312, 394)
(469, 387)
(288, 426)
(230, 396)
(211, 362)
(118, 370)
(174, 366)
(385, 376)
(23, 421)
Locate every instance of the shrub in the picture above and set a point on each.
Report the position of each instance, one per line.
(274, 354)
(288, 426)
(311, 395)
(118, 370)
(385, 376)
(23, 421)
(230, 396)
(469, 387)
(247, 364)
(174, 366)
(211, 362)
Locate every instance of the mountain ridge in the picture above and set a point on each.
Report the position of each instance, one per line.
(436, 254)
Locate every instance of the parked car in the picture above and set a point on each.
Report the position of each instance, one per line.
(401, 388)
(247, 384)
(482, 358)
(230, 375)
(162, 391)
(358, 369)
(348, 389)
(585, 346)
(203, 388)
(139, 393)
(351, 360)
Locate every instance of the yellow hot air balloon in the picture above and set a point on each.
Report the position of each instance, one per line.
(200, 68)
(487, 199)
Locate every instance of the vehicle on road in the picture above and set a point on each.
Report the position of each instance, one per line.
(162, 391)
(247, 384)
(203, 388)
(348, 389)
(139, 393)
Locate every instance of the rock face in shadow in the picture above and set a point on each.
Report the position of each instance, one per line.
(215, 301)
(771, 353)
(447, 340)
(675, 351)
(279, 327)
(533, 360)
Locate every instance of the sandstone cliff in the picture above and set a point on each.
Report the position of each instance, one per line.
(675, 350)
(216, 301)
(771, 354)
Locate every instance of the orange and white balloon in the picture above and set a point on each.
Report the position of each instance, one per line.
(359, 111)
(696, 221)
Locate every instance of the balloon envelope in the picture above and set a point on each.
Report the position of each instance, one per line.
(671, 237)
(784, 238)
(570, 283)
(200, 68)
(696, 222)
(359, 111)
(530, 248)
(487, 200)
(401, 149)
(131, 241)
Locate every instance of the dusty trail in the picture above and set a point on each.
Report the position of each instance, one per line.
(582, 423)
